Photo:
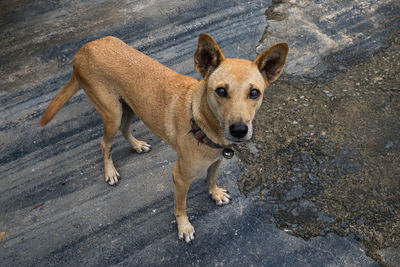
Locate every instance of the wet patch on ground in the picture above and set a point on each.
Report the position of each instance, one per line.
(325, 156)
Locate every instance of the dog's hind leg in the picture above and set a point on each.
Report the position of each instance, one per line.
(125, 128)
(109, 108)
(110, 129)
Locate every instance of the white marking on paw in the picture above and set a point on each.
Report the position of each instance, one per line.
(185, 229)
(220, 196)
(142, 147)
(112, 177)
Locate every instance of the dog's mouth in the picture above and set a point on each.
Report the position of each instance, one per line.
(236, 140)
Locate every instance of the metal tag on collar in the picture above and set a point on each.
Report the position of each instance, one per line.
(228, 153)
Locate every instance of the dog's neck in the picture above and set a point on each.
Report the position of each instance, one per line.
(205, 117)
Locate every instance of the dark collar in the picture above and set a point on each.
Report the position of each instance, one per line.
(201, 136)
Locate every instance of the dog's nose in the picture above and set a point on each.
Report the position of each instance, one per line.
(238, 130)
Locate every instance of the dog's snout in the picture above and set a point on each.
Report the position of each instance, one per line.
(238, 130)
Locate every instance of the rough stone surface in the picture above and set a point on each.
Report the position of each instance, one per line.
(342, 174)
(391, 256)
(346, 31)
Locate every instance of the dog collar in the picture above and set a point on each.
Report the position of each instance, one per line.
(201, 137)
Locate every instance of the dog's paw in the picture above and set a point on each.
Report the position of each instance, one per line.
(185, 229)
(142, 147)
(220, 196)
(112, 176)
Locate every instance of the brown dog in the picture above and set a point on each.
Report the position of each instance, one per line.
(198, 119)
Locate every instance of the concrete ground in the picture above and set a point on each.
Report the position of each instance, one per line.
(341, 78)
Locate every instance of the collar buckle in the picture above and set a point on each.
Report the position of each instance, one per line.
(228, 153)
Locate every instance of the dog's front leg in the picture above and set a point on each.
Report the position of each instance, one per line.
(182, 180)
(220, 195)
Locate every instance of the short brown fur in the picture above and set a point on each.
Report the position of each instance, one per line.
(121, 82)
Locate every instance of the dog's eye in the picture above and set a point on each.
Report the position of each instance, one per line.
(221, 92)
(254, 93)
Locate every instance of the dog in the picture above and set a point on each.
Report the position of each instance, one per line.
(200, 120)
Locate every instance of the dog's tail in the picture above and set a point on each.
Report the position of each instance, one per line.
(59, 100)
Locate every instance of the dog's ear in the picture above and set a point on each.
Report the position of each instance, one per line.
(270, 62)
(207, 56)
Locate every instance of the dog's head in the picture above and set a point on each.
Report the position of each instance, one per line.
(235, 87)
